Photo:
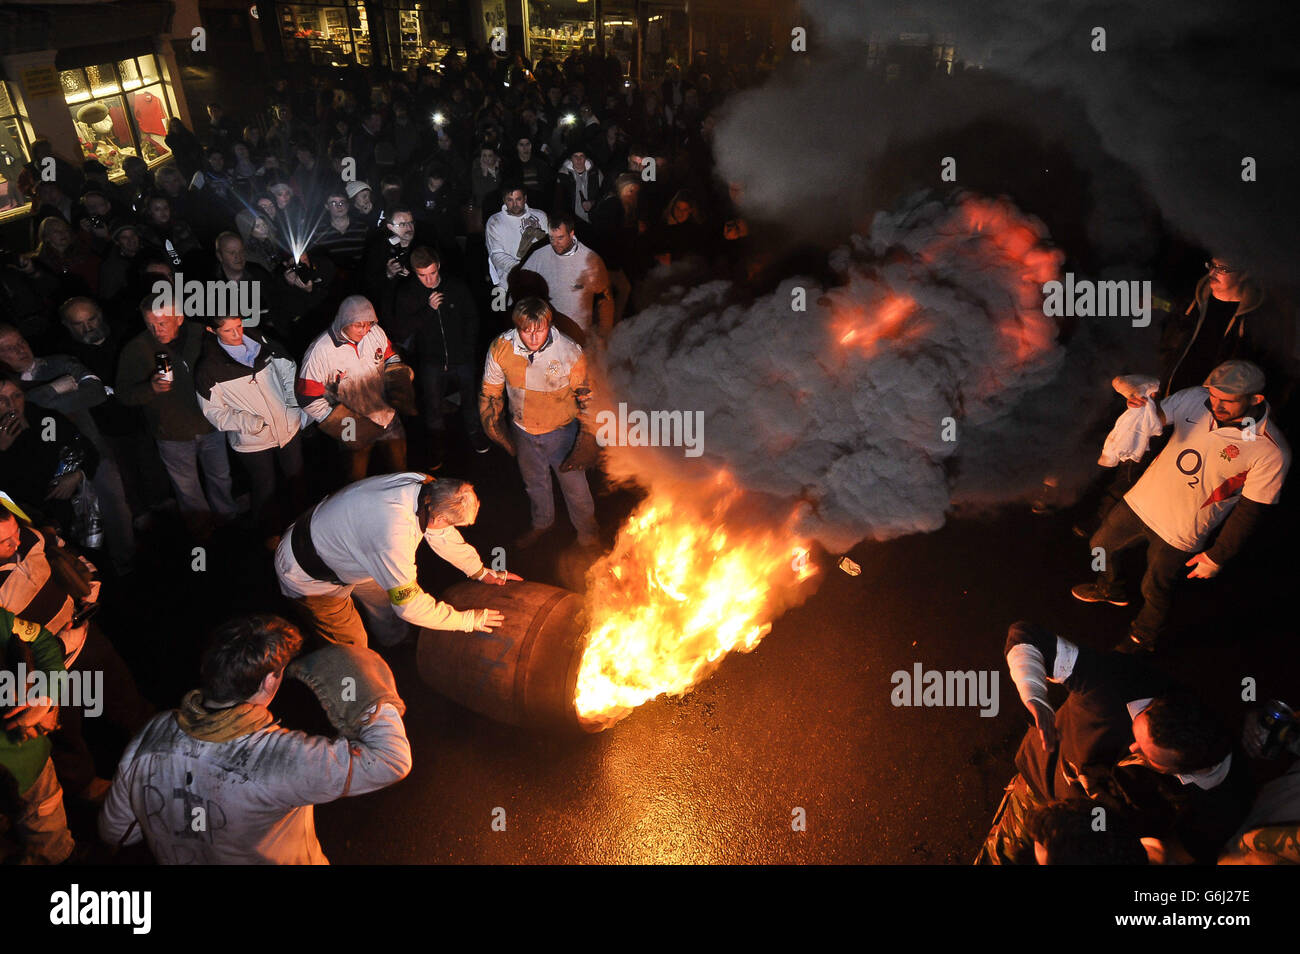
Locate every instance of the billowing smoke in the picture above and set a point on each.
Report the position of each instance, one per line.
(926, 377)
(1183, 92)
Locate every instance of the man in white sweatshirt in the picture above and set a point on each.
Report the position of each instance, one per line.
(359, 544)
(511, 232)
(219, 781)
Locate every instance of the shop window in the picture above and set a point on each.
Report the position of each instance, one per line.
(119, 109)
(326, 35)
(13, 154)
(423, 31)
(556, 30)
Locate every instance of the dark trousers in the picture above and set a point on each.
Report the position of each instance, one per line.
(434, 379)
(1122, 530)
(261, 478)
(123, 708)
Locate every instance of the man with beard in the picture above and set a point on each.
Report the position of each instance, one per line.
(511, 233)
(1223, 468)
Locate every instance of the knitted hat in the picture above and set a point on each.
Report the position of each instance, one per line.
(352, 188)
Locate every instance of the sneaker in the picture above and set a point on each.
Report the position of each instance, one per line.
(481, 444)
(1096, 593)
(531, 537)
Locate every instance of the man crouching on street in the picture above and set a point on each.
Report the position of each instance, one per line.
(218, 781)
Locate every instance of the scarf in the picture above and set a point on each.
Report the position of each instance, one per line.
(220, 725)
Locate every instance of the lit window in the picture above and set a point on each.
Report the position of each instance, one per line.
(13, 154)
(119, 110)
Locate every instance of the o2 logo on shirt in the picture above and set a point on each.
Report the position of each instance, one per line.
(1189, 462)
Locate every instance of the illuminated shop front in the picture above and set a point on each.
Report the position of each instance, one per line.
(557, 28)
(421, 32)
(13, 153)
(120, 108)
(399, 33)
(96, 80)
(326, 34)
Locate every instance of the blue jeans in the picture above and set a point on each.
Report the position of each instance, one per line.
(183, 459)
(539, 454)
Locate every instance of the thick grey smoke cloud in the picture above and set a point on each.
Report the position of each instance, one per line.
(1104, 147)
(936, 314)
(1184, 91)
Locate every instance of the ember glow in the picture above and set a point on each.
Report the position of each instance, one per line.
(867, 330)
(672, 599)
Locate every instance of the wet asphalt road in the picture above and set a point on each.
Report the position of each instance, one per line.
(803, 722)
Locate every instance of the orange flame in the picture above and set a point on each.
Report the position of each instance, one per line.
(675, 596)
(679, 592)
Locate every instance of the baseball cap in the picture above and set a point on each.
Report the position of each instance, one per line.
(352, 188)
(1236, 378)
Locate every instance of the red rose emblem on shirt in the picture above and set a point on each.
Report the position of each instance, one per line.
(1230, 452)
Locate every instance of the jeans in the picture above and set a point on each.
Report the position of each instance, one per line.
(433, 382)
(183, 459)
(1122, 530)
(539, 454)
(119, 525)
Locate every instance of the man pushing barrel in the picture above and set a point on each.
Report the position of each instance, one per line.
(359, 544)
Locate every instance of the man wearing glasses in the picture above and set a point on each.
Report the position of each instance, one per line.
(1230, 316)
(343, 238)
(341, 386)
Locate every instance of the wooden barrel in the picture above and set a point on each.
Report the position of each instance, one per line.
(526, 671)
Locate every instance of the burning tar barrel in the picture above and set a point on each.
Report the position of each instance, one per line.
(525, 672)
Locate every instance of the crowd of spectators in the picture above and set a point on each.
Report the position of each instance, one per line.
(377, 262)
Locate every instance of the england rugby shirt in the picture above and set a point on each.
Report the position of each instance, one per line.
(1205, 469)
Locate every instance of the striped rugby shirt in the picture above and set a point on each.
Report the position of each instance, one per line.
(538, 385)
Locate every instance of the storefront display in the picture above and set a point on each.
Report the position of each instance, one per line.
(323, 35)
(556, 29)
(13, 154)
(119, 109)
